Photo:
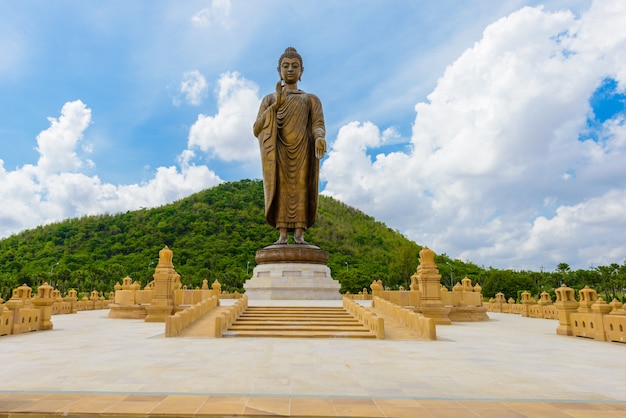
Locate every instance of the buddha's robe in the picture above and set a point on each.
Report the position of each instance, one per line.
(290, 169)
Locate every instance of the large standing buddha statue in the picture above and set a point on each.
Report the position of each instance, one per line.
(291, 133)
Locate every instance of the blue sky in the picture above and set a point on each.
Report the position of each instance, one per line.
(493, 132)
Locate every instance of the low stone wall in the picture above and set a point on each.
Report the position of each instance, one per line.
(26, 320)
(369, 319)
(615, 327)
(61, 308)
(230, 314)
(590, 317)
(544, 308)
(91, 305)
(184, 298)
(411, 298)
(358, 296)
(21, 320)
(599, 327)
(26, 313)
(462, 295)
(526, 310)
(226, 295)
(132, 303)
(6, 321)
(425, 327)
(175, 324)
(543, 311)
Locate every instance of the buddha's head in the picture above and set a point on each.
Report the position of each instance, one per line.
(290, 66)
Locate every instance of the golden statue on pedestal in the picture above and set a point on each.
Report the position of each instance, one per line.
(291, 133)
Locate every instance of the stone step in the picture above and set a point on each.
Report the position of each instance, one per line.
(297, 322)
(246, 315)
(299, 334)
(302, 309)
(271, 322)
(304, 327)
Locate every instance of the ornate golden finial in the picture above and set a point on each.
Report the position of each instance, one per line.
(165, 257)
(427, 257)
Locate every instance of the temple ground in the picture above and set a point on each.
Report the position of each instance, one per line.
(90, 365)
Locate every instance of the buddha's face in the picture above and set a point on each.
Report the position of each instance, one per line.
(290, 70)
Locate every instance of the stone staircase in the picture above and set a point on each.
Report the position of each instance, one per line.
(297, 322)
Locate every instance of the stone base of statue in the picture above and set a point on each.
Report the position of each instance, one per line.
(127, 311)
(468, 314)
(158, 312)
(292, 272)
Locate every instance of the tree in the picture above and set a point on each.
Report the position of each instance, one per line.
(403, 265)
(564, 269)
(606, 272)
(352, 280)
(507, 282)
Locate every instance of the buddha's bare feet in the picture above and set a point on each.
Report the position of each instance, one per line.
(298, 236)
(283, 238)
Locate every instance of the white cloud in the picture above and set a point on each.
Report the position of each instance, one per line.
(194, 87)
(353, 177)
(57, 144)
(586, 229)
(218, 13)
(228, 134)
(55, 189)
(495, 151)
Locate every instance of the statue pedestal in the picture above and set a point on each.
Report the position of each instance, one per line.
(292, 272)
(127, 311)
(158, 312)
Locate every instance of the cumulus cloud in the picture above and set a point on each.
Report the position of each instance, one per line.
(228, 134)
(350, 172)
(218, 13)
(499, 164)
(582, 229)
(56, 189)
(194, 88)
(57, 144)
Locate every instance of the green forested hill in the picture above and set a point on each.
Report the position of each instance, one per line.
(214, 234)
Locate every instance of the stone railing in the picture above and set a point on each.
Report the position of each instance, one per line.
(544, 308)
(24, 313)
(589, 317)
(20, 321)
(602, 327)
(425, 327)
(175, 324)
(369, 319)
(462, 295)
(227, 295)
(93, 304)
(358, 296)
(6, 321)
(464, 303)
(614, 327)
(184, 298)
(131, 302)
(543, 311)
(410, 298)
(62, 307)
(230, 315)
(27, 313)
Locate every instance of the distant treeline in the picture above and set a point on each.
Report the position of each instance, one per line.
(214, 234)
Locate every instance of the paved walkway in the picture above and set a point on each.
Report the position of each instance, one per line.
(90, 365)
